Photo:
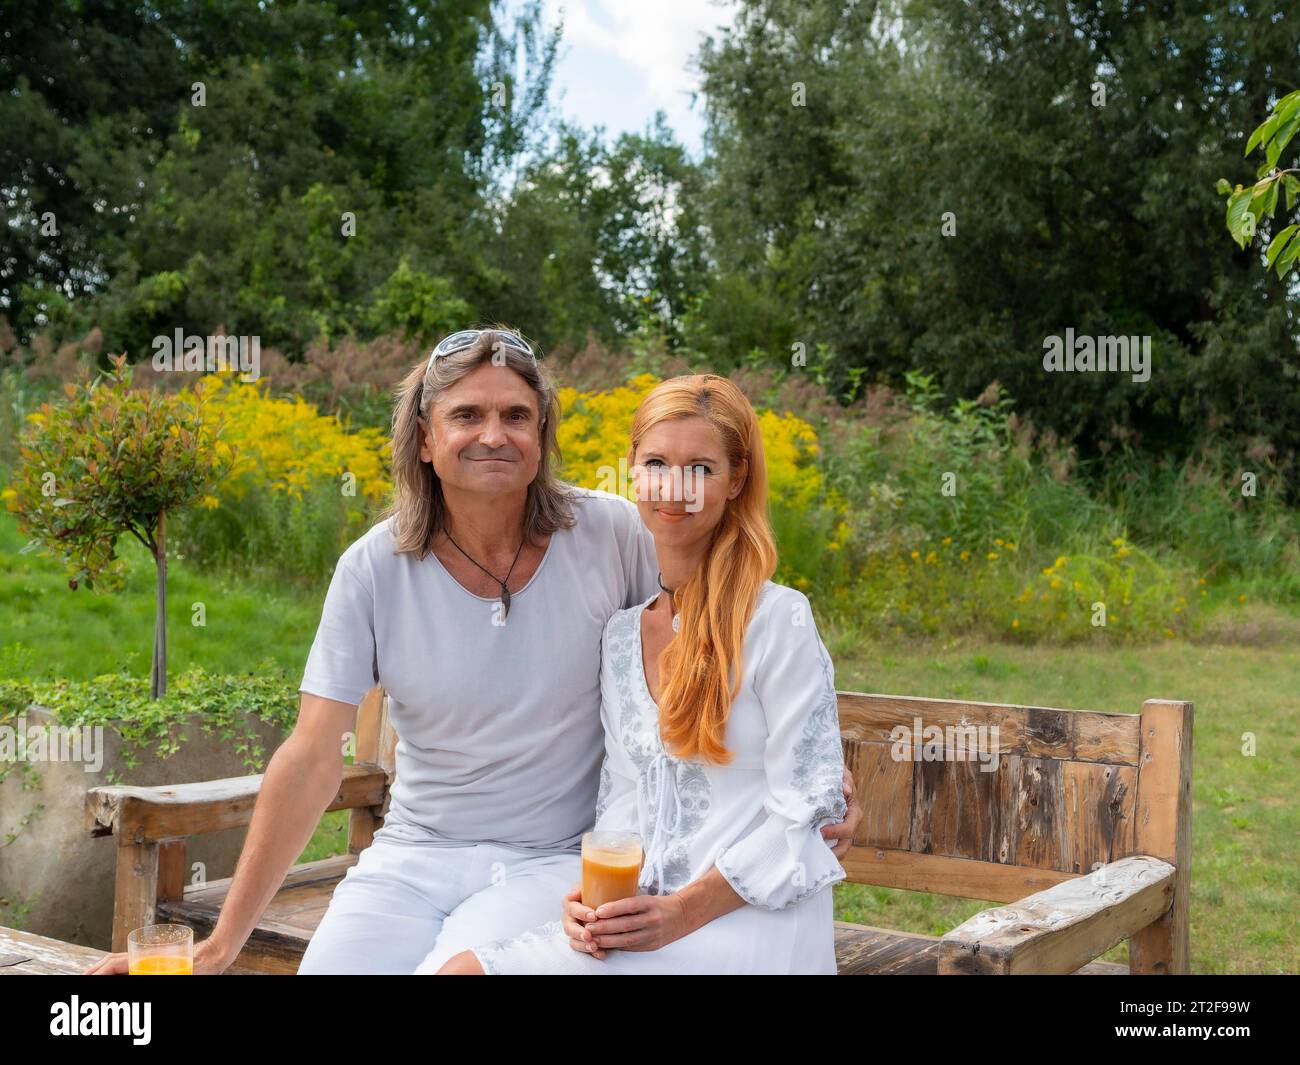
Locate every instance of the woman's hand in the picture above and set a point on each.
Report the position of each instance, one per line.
(575, 923)
(209, 960)
(642, 922)
(843, 832)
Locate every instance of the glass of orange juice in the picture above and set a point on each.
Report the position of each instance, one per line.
(611, 866)
(161, 950)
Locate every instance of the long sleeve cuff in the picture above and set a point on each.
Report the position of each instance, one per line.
(781, 862)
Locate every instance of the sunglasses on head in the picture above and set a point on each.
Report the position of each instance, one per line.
(466, 337)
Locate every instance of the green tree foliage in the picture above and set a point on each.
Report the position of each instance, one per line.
(1073, 145)
(1247, 206)
(110, 461)
(233, 213)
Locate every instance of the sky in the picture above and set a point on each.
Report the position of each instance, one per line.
(621, 60)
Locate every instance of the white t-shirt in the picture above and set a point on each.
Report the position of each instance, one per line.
(498, 725)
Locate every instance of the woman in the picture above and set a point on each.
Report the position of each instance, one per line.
(722, 743)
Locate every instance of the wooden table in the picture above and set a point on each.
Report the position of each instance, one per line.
(45, 956)
(52, 957)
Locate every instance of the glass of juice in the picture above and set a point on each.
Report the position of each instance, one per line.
(161, 950)
(611, 866)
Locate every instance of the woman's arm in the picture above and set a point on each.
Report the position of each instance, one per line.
(785, 858)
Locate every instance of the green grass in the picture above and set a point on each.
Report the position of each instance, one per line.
(50, 631)
(1246, 855)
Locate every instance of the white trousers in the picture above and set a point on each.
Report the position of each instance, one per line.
(407, 906)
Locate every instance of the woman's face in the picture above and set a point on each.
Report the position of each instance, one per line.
(485, 432)
(683, 480)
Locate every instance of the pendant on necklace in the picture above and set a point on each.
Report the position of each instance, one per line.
(505, 602)
(677, 622)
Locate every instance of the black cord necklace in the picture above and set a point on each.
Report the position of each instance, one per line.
(505, 592)
(677, 620)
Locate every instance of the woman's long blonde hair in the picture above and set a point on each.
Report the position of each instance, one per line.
(418, 509)
(701, 667)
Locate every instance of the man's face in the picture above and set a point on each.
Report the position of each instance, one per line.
(485, 432)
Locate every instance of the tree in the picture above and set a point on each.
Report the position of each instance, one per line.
(1074, 144)
(110, 460)
(260, 167)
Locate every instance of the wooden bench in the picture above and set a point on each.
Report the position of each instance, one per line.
(27, 954)
(1083, 829)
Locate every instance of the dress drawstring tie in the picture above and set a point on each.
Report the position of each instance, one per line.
(659, 780)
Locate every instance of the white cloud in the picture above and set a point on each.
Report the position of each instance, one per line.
(655, 38)
(621, 60)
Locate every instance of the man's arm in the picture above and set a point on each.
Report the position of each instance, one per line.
(301, 780)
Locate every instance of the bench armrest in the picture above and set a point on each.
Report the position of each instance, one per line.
(176, 811)
(1063, 927)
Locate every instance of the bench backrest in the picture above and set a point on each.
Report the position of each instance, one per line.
(1068, 790)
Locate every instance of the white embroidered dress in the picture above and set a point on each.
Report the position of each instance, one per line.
(757, 819)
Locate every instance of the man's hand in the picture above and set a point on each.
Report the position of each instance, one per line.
(844, 831)
(209, 960)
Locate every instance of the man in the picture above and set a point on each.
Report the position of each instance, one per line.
(479, 603)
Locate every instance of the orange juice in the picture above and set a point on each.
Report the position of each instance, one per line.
(162, 965)
(611, 866)
(160, 950)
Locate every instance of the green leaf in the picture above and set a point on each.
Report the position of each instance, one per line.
(1270, 199)
(1282, 138)
(1288, 257)
(1263, 130)
(1278, 243)
(1293, 96)
(1287, 107)
(1292, 185)
(1223, 188)
(1238, 205)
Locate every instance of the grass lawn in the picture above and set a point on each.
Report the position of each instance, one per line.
(1246, 829)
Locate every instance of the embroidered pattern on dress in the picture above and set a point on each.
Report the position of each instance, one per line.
(749, 895)
(640, 738)
(485, 953)
(606, 784)
(818, 756)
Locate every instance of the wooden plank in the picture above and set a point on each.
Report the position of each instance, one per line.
(961, 811)
(1100, 801)
(46, 956)
(1040, 814)
(862, 950)
(883, 786)
(1056, 931)
(1035, 731)
(1164, 830)
(322, 871)
(171, 869)
(135, 889)
(943, 875)
(180, 810)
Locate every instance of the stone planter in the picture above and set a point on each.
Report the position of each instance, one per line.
(55, 879)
